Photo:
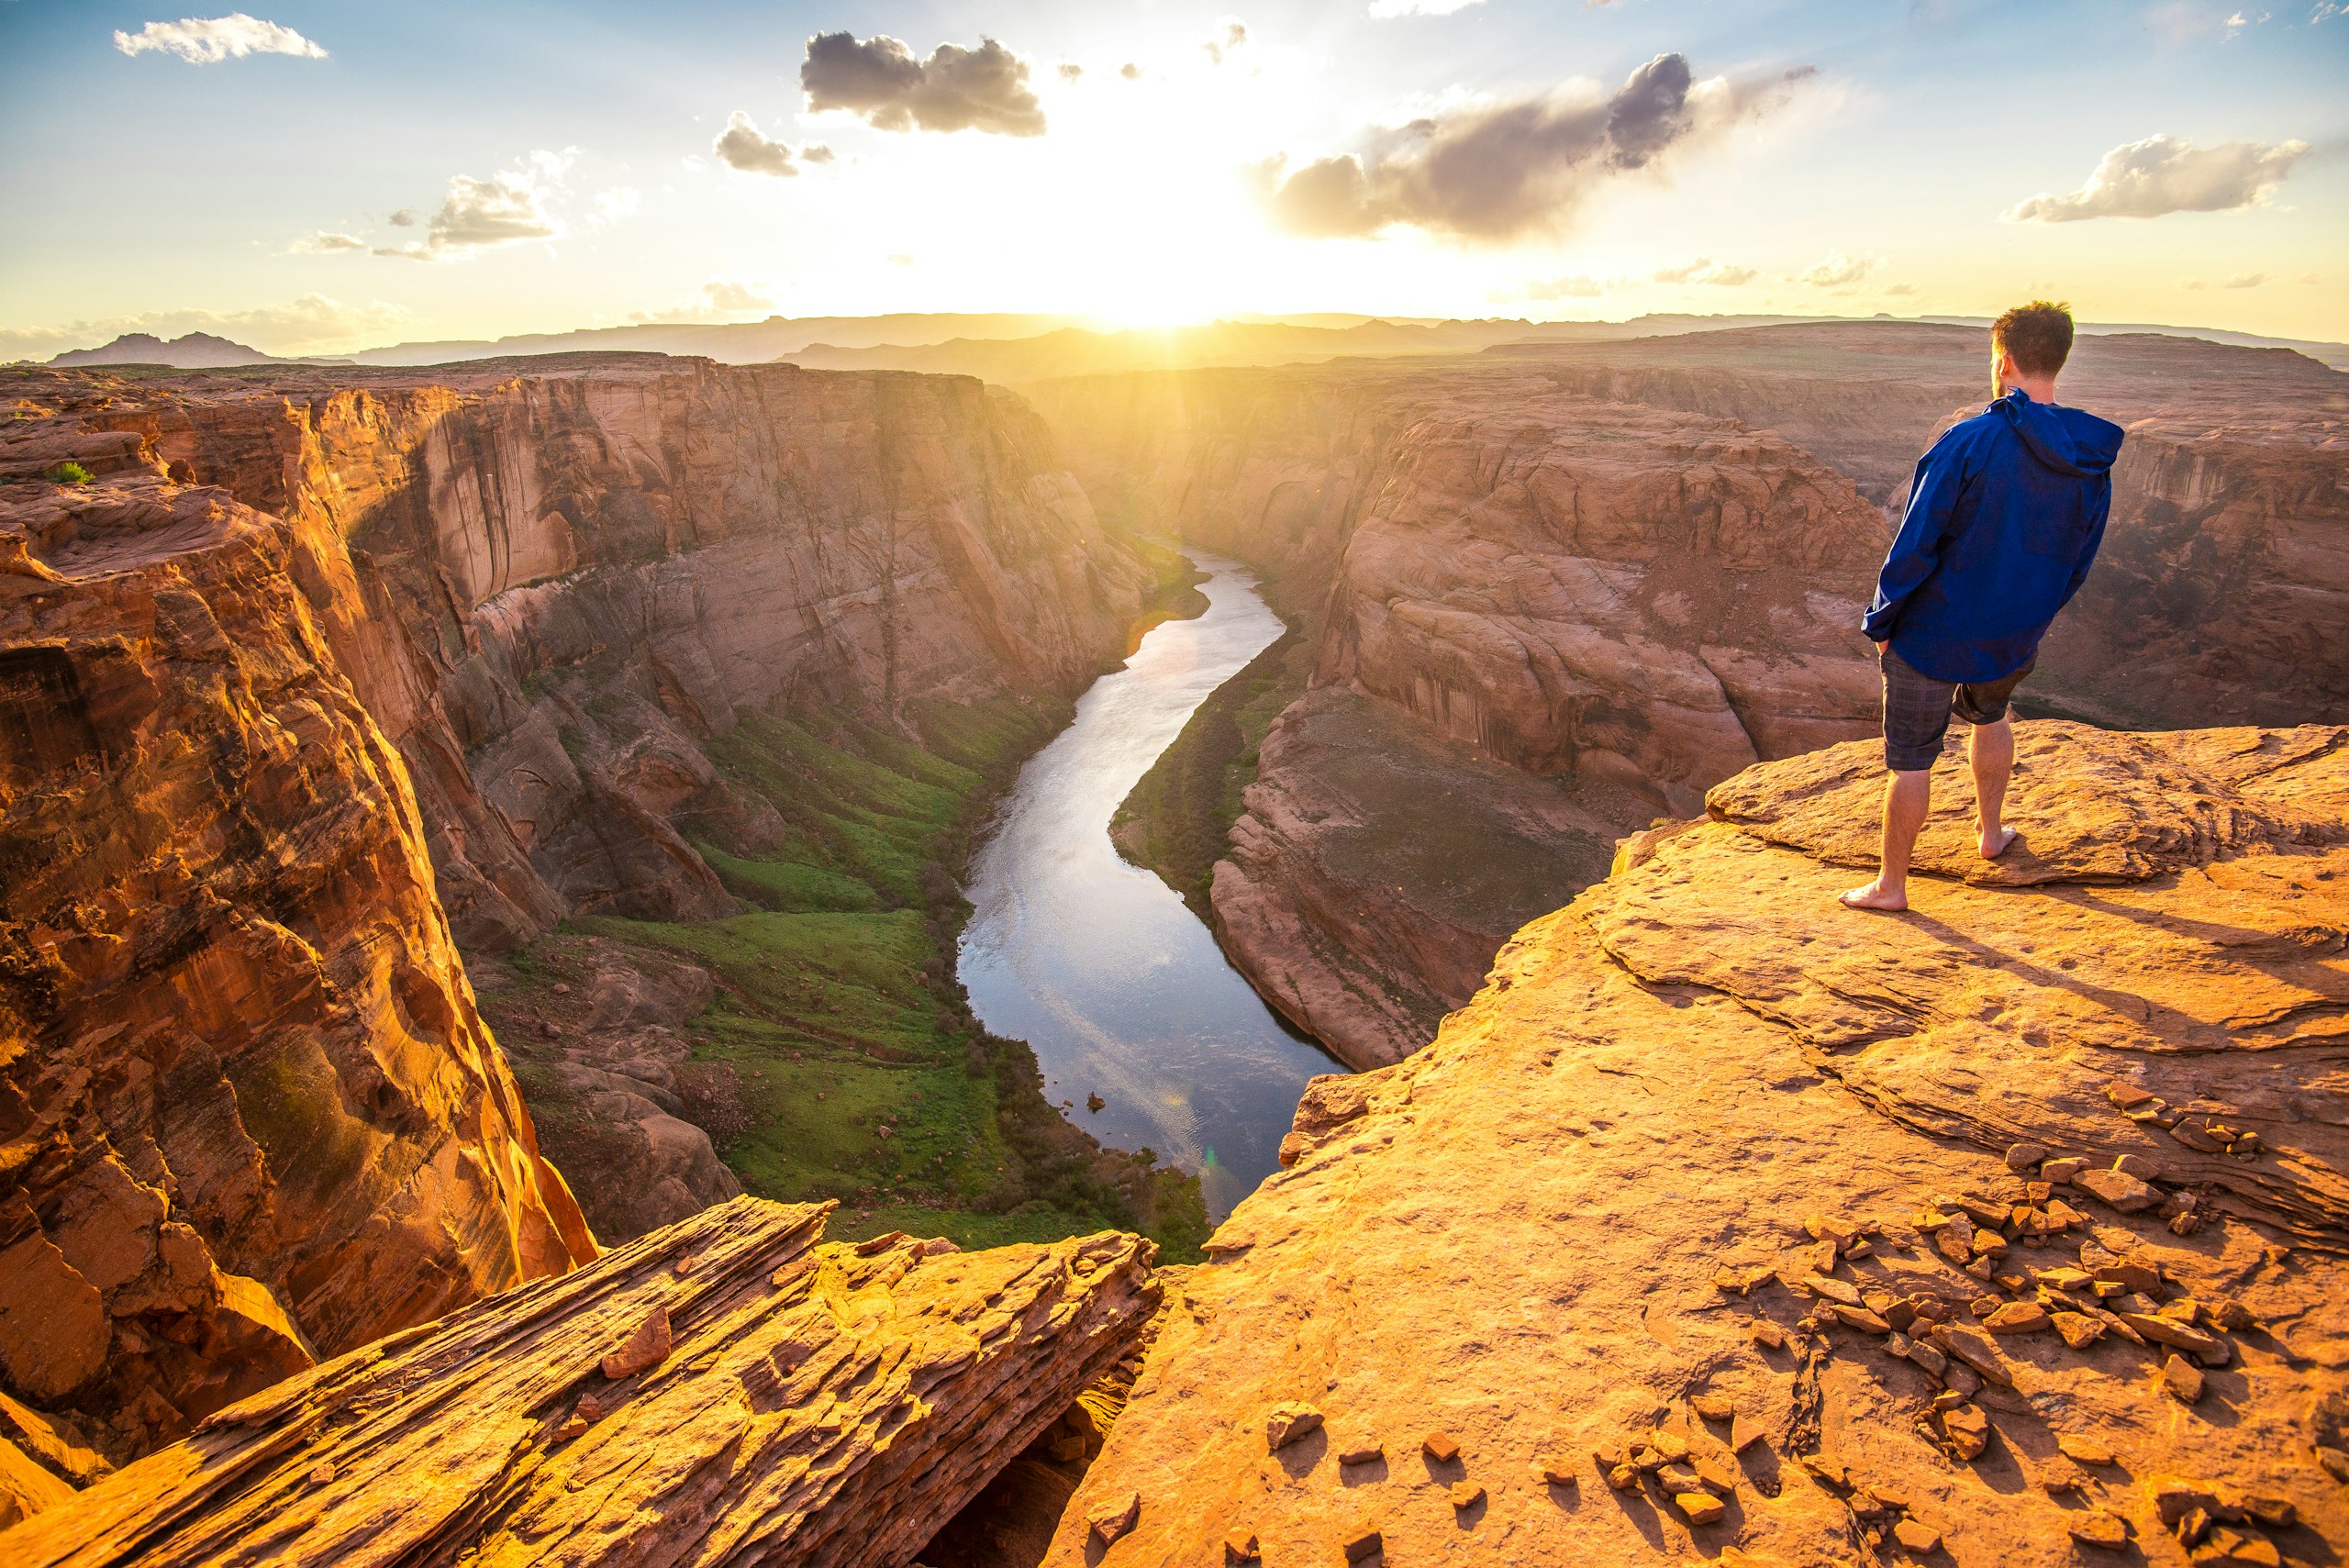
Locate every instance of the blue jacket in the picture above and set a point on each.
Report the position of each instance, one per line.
(2004, 519)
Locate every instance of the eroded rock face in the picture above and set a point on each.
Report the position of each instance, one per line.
(1666, 1231)
(251, 1112)
(723, 1388)
(553, 581)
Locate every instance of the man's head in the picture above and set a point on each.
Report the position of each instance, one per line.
(2029, 345)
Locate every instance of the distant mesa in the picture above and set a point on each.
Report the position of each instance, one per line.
(196, 352)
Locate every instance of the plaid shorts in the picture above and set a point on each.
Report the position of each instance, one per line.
(1917, 710)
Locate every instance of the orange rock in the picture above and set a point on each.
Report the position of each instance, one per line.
(1284, 1424)
(1115, 1517)
(647, 1346)
(1466, 1494)
(1239, 1546)
(1440, 1447)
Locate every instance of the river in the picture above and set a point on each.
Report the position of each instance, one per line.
(1097, 964)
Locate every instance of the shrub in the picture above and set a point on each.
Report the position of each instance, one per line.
(69, 472)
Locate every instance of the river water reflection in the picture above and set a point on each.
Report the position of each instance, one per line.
(1099, 966)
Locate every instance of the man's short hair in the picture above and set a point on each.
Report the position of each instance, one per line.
(2039, 335)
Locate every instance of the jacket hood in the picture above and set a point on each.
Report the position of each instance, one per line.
(2069, 441)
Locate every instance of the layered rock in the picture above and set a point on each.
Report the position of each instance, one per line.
(248, 1112)
(723, 1389)
(1726, 1218)
(1527, 553)
(553, 581)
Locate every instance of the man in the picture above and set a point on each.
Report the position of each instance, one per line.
(2004, 519)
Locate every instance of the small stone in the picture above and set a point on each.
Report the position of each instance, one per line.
(1963, 1380)
(2183, 1379)
(1824, 1228)
(686, 1264)
(1768, 1335)
(322, 1473)
(1115, 1517)
(1826, 1470)
(1623, 1477)
(561, 988)
(2232, 1316)
(1556, 1472)
(2058, 1172)
(1822, 1257)
(1977, 1348)
(2275, 1513)
(1362, 1544)
(1440, 1447)
(2178, 1336)
(1284, 1424)
(2096, 1527)
(2079, 1330)
(573, 1427)
(2334, 1462)
(1860, 1318)
(2118, 1189)
(1929, 1357)
(2137, 1165)
(1713, 1407)
(1860, 1249)
(648, 1347)
(1239, 1546)
(2023, 1156)
(2126, 1096)
(2247, 1146)
(2062, 1477)
(1466, 1494)
(2084, 1450)
(1920, 1539)
(2199, 1138)
(1366, 1453)
(2177, 1498)
(1967, 1430)
(1744, 1433)
(1829, 1288)
(2017, 1318)
(1700, 1508)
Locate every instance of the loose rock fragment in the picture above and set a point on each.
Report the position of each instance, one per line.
(1713, 1407)
(1284, 1424)
(648, 1347)
(1769, 1335)
(1466, 1494)
(1920, 1539)
(1965, 1430)
(1440, 1447)
(1114, 1516)
(2137, 1165)
(2335, 1463)
(2023, 1156)
(2058, 1172)
(2183, 1379)
(1556, 1472)
(1362, 1454)
(1700, 1508)
(1362, 1544)
(2086, 1449)
(2063, 1476)
(2078, 1329)
(1744, 1433)
(1239, 1546)
(2017, 1318)
(2118, 1189)
(2096, 1527)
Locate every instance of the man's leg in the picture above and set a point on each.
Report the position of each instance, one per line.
(1991, 749)
(1908, 796)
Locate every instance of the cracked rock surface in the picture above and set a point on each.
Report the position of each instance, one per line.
(1707, 1143)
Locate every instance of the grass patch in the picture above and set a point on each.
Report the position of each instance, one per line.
(852, 1067)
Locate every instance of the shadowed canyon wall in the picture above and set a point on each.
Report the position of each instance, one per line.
(1633, 568)
(313, 641)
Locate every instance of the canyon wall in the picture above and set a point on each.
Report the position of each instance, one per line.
(250, 1114)
(1635, 567)
(315, 641)
(1728, 1223)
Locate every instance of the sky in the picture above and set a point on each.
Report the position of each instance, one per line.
(309, 178)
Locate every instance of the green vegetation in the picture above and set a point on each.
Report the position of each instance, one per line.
(69, 472)
(1177, 821)
(841, 1059)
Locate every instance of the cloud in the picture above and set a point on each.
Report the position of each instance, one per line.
(984, 89)
(1902, 290)
(404, 219)
(325, 244)
(619, 201)
(507, 209)
(310, 324)
(2162, 174)
(1495, 173)
(740, 146)
(1384, 8)
(203, 42)
(725, 295)
(1705, 269)
(1131, 72)
(1231, 35)
(1070, 71)
(2246, 279)
(1838, 270)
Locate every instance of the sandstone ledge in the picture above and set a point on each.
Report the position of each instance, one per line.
(775, 1400)
(1704, 1141)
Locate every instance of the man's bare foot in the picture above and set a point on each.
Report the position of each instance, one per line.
(1873, 897)
(1993, 846)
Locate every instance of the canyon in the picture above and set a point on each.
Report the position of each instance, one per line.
(420, 786)
(1624, 570)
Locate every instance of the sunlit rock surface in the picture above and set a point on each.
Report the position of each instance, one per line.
(1699, 1166)
(725, 1389)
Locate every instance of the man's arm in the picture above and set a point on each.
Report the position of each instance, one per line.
(1933, 495)
(2088, 552)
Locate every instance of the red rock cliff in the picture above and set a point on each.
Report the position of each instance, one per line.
(249, 1113)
